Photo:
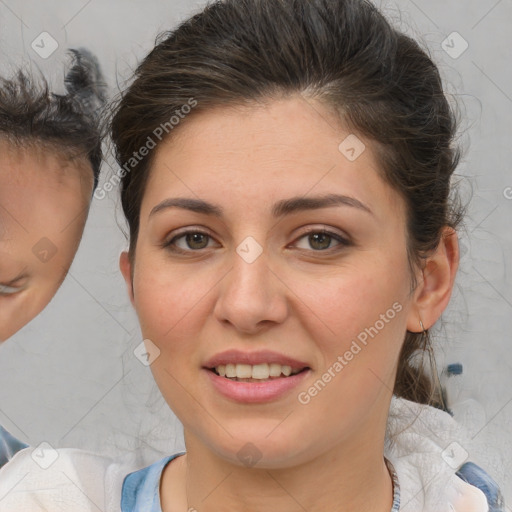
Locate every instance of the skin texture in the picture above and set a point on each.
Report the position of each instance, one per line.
(44, 201)
(303, 298)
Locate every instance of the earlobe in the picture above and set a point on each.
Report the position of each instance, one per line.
(126, 269)
(434, 290)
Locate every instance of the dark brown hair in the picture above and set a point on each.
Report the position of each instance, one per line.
(343, 53)
(69, 123)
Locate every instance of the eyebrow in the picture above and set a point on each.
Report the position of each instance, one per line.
(279, 209)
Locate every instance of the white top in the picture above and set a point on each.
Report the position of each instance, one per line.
(425, 445)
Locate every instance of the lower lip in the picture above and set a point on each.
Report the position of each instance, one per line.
(255, 392)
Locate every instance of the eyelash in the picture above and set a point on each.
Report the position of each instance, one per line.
(170, 245)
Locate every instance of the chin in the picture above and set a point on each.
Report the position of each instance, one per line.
(261, 451)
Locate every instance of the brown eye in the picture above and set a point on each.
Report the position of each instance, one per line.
(193, 241)
(196, 240)
(320, 240)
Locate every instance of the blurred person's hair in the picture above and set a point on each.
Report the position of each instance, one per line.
(69, 124)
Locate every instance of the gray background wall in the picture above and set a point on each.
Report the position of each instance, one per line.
(70, 377)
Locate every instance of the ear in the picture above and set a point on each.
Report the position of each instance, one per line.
(436, 283)
(125, 266)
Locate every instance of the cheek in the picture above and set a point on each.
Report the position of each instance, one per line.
(169, 302)
(172, 306)
(353, 302)
(363, 315)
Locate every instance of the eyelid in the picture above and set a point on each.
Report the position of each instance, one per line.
(186, 231)
(9, 290)
(324, 229)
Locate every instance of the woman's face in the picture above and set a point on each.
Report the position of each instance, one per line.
(44, 202)
(251, 272)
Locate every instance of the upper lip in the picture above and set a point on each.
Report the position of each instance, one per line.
(252, 358)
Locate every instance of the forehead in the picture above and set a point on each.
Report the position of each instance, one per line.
(37, 187)
(282, 148)
(35, 161)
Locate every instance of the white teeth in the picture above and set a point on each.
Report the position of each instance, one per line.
(230, 370)
(287, 370)
(275, 370)
(260, 371)
(244, 371)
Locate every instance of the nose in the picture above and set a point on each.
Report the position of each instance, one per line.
(252, 296)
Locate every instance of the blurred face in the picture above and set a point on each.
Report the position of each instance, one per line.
(44, 200)
(271, 279)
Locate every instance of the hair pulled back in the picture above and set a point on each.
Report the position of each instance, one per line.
(343, 53)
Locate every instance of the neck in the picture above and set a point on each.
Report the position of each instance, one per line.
(349, 477)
